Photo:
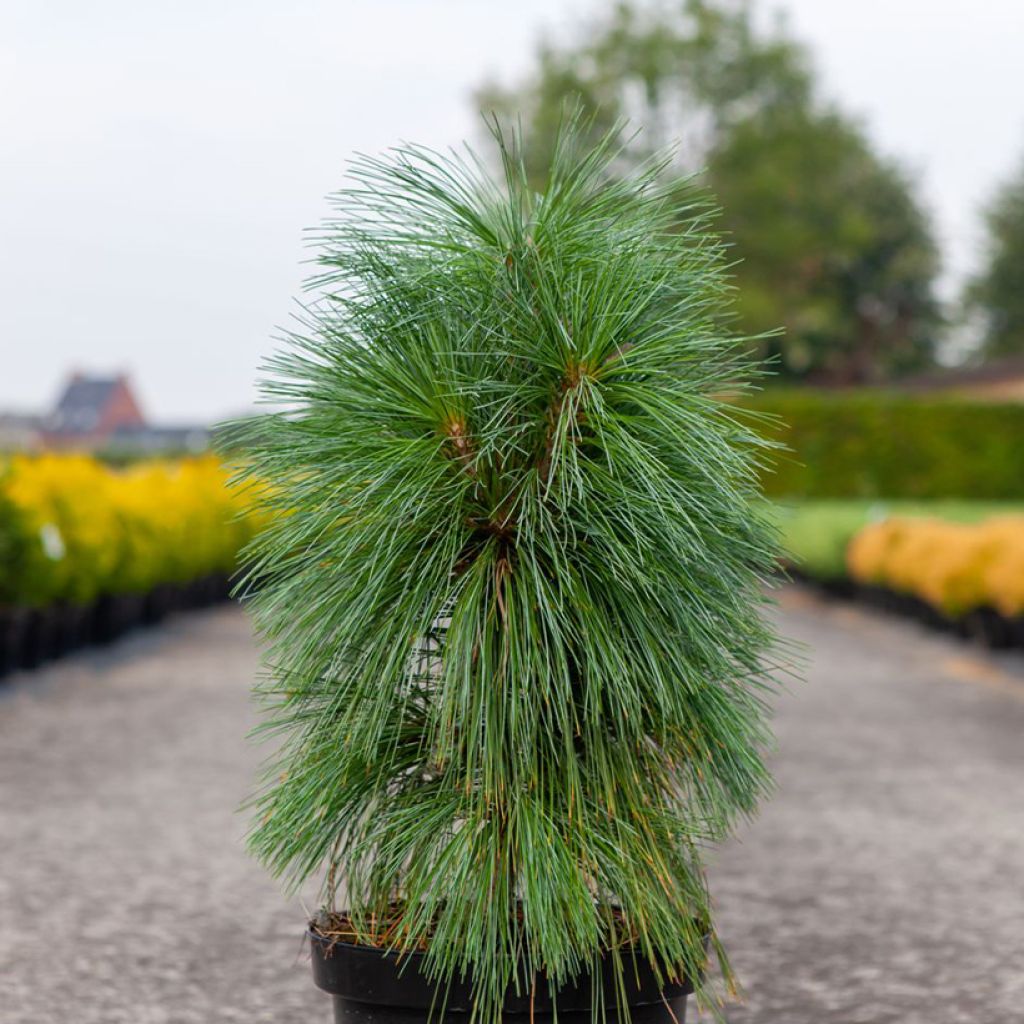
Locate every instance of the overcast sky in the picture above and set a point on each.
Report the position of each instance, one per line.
(159, 160)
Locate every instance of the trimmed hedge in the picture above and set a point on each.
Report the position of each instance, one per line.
(878, 445)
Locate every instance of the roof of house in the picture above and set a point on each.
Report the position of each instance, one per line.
(81, 407)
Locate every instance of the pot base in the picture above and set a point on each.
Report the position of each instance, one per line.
(673, 1011)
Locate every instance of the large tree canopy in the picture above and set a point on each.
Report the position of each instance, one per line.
(834, 249)
(998, 291)
(829, 241)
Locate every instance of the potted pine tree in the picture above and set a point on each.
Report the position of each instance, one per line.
(511, 590)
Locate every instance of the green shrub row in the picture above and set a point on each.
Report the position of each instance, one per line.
(876, 445)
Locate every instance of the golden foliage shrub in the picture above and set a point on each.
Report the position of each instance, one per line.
(954, 567)
(90, 529)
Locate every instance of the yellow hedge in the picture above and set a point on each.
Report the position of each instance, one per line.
(953, 566)
(90, 529)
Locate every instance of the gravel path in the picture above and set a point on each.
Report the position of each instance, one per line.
(121, 857)
(882, 884)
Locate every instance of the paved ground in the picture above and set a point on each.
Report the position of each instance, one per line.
(884, 883)
(122, 875)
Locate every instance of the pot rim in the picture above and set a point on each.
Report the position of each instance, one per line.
(344, 982)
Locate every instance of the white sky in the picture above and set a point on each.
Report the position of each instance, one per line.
(159, 161)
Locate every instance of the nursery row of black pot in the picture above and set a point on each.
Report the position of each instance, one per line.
(982, 625)
(31, 636)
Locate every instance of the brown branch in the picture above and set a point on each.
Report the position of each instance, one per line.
(463, 450)
(570, 382)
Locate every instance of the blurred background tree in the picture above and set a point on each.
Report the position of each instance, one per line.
(997, 293)
(830, 241)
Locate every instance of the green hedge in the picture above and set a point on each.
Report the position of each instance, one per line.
(876, 445)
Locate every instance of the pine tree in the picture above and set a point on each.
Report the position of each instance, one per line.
(512, 587)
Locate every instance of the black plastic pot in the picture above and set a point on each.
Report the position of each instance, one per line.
(74, 623)
(30, 636)
(44, 636)
(1016, 629)
(10, 639)
(24, 638)
(117, 614)
(160, 602)
(371, 985)
(988, 627)
(106, 625)
(199, 593)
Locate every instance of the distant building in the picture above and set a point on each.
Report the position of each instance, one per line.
(102, 413)
(20, 432)
(91, 410)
